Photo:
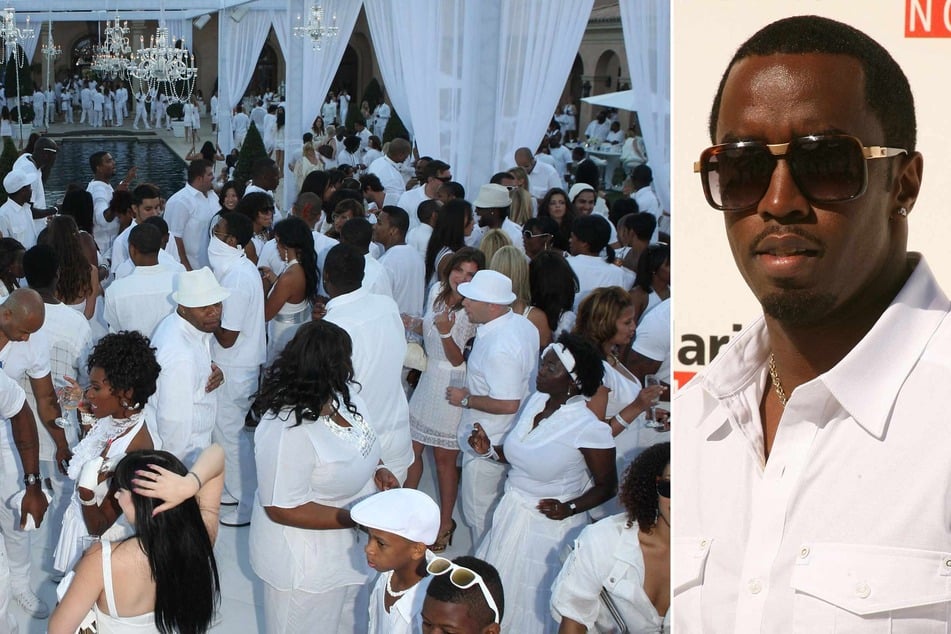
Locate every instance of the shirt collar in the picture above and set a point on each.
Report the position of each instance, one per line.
(894, 345)
(347, 298)
(498, 323)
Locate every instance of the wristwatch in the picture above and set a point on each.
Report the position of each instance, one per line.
(464, 402)
(31, 478)
(572, 508)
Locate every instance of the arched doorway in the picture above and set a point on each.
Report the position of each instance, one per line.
(607, 73)
(265, 77)
(348, 73)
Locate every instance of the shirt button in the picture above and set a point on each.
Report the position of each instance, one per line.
(947, 562)
(754, 586)
(611, 579)
(803, 552)
(703, 543)
(862, 590)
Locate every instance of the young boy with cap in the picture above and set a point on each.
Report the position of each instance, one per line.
(400, 522)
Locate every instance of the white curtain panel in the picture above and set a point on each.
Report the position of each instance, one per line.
(281, 23)
(392, 31)
(646, 25)
(180, 30)
(239, 46)
(539, 42)
(29, 46)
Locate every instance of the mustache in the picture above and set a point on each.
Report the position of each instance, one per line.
(784, 230)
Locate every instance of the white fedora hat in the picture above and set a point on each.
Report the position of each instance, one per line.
(409, 513)
(492, 196)
(194, 289)
(488, 286)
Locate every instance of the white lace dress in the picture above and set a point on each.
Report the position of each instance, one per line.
(433, 421)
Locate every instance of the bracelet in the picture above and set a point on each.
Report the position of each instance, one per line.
(197, 479)
(381, 466)
(448, 335)
(620, 421)
(491, 454)
(91, 502)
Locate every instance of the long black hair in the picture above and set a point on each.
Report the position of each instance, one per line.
(314, 369)
(651, 259)
(553, 284)
(295, 234)
(564, 227)
(180, 553)
(449, 232)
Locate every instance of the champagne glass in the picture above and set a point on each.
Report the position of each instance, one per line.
(650, 380)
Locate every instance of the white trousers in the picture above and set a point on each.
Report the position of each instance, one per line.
(480, 489)
(17, 542)
(234, 401)
(295, 611)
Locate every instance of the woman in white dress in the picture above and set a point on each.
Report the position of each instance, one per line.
(290, 293)
(433, 421)
(316, 455)
(164, 578)
(122, 376)
(626, 557)
(556, 448)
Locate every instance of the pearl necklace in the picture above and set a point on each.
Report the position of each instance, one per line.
(389, 588)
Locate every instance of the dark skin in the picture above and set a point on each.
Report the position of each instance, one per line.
(554, 380)
(440, 617)
(853, 255)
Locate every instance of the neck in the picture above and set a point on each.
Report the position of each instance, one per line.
(48, 295)
(405, 576)
(661, 528)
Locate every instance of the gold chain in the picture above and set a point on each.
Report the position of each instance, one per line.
(774, 376)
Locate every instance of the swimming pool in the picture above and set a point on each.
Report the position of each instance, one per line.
(157, 164)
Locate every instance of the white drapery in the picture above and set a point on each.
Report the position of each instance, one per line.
(180, 30)
(475, 79)
(239, 46)
(29, 45)
(646, 25)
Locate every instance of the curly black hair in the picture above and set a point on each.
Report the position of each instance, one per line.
(315, 368)
(639, 486)
(128, 360)
(588, 365)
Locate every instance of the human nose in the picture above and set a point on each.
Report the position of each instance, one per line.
(783, 198)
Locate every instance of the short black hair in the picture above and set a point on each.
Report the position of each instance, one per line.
(371, 182)
(623, 206)
(426, 209)
(498, 177)
(398, 218)
(344, 268)
(159, 223)
(261, 167)
(441, 588)
(454, 189)
(357, 232)
(40, 266)
(887, 93)
(144, 191)
(643, 224)
(239, 226)
(95, 159)
(146, 238)
(433, 168)
(196, 169)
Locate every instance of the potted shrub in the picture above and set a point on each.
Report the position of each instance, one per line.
(176, 113)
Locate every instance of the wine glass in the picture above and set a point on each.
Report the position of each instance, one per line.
(650, 380)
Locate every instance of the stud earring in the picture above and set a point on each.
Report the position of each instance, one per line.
(903, 212)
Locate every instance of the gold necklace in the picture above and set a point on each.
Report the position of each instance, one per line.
(774, 376)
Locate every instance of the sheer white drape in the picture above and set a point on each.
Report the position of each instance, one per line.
(473, 80)
(281, 23)
(180, 30)
(646, 25)
(239, 46)
(29, 46)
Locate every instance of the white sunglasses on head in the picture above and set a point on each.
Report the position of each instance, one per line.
(463, 578)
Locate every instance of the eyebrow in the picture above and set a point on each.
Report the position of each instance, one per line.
(731, 137)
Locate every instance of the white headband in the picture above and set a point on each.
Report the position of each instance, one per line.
(564, 355)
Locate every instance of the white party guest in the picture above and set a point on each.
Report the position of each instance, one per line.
(428, 213)
(316, 454)
(240, 123)
(142, 299)
(265, 176)
(358, 233)
(379, 348)
(16, 221)
(329, 110)
(589, 238)
(387, 168)
(625, 557)
(562, 465)
(166, 259)
(146, 203)
(188, 214)
(184, 407)
(105, 224)
(400, 523)
(503, 360)
(434, 175)
(39, 164)
(141, 114)
(257, 115)
(615, 136)
(641, 178)
(403, 263)
(650, 351)
(492, 207)
(542, 176)
(239, 349)
(598, 128)
(381, 117)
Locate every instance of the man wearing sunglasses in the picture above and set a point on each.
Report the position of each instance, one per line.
(791, 519)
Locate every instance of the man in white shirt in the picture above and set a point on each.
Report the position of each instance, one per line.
(38, 164)
(382, 115)
(105, 224)
(599, 128)
(418, 238)
(791, 517)
(265, 177)
(379, 347)
(541, 175)
(39, 111)
(85, 96)
(189, 212)
(141, 114)
(257, 116)
(641, 178)
(307, 208)
(240, 123)
(146, 203)
(183, 409)
(16, 221)
(166, 259)
(358, 233)
(142, 299)
(405, 265)
(98, 102)
(492, 209)
(650, 350)
(360, 130)
(615, 136)
(503, 359)
(434, 174)
(240, 348)
(387, 168)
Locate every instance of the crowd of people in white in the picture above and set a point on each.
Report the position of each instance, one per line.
(522, 331)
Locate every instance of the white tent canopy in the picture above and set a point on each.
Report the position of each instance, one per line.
(623, 100)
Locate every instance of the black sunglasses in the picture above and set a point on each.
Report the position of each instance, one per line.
(663, 488)
(827, 168)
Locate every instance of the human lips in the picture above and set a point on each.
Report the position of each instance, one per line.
(784, 254)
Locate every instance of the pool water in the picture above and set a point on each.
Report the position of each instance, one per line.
(156, 162)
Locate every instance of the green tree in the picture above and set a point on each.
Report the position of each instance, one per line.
(10, 71)
(251, 150)
(372, 94)
(394, 129)
(7, 157)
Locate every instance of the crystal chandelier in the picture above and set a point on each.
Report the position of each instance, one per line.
(13, 36)
(315, 28)
(51, 50)
(113, 57)
(165, 68)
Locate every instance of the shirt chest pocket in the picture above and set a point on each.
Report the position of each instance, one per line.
(689, 564)
(871, 589)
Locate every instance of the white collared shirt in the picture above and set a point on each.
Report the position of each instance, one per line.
(103, 231)
(16, 221)
(594, 272)
(418, 238)
(404, 615)
(379, 348)
(542, 178)
(243, 312)
(165, 260)
(182, 413)
(376, 279)
(410, 202)
(407, 272)
(846, 526)
(188, 214)
(390, 178)
(502, 363)
(652, 338)
(140, 300)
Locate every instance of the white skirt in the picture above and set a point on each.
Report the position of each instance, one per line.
(528, 550)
